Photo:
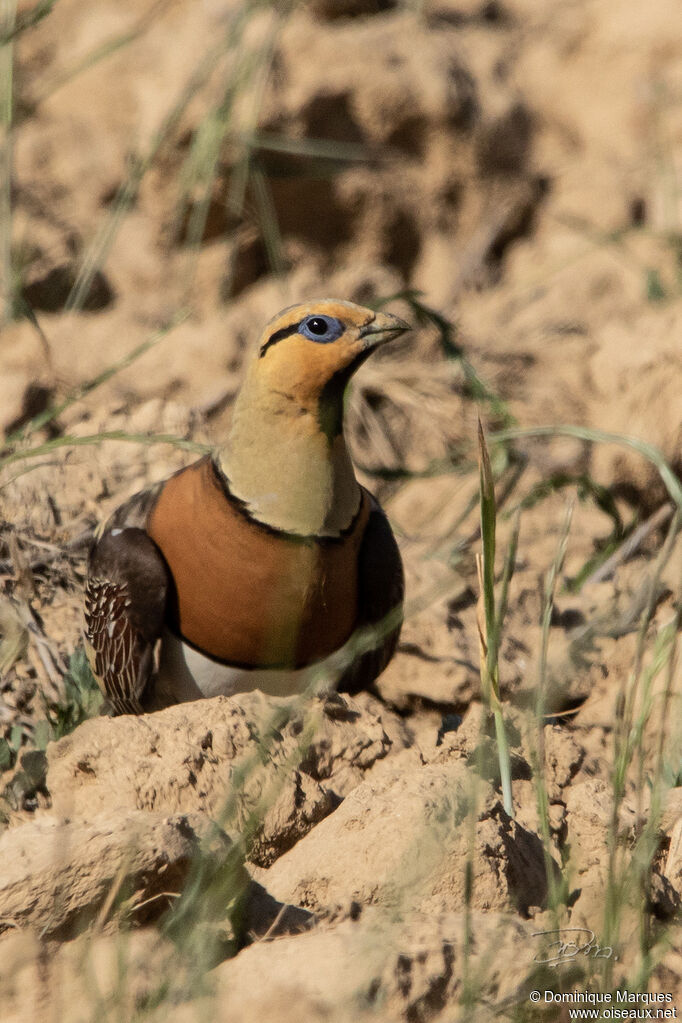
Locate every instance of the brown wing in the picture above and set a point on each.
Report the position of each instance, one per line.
(381, 585)
(135, 512)
(125, 603)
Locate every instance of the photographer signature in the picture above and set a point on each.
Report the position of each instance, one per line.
(569, 943)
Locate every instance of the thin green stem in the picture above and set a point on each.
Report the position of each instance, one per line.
(538, 753)
(7, 21)
(69, 441)
(649, 451)
(627, 734)
(507, 573)
(505, 762)
(489, 622)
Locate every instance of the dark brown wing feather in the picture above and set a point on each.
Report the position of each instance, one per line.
(134, 513)
(381, 591)
(125, 603)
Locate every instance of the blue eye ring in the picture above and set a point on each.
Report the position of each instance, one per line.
(322, 329)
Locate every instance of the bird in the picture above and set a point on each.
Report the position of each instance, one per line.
(266, 562)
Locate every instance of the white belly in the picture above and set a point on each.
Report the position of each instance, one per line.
(186, 674)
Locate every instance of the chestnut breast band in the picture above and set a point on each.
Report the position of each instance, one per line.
(247, 594)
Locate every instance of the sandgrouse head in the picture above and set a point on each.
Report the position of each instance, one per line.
(285, 455)
(310, 351)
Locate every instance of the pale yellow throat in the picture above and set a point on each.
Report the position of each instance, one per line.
(288, 472)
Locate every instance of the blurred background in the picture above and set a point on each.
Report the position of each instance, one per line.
(514, 163)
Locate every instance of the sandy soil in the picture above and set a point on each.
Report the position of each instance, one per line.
(180, 173)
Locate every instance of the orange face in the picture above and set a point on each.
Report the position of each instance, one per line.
(311, 346)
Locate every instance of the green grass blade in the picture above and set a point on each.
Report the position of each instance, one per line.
(268, 220)
(548, 608)
(487, 619)
(426, 315)
(313, 148)
(538, 747)
(70, 441)
(7, 24)
(488, 528)
(648, 451)
(505, 762)
(507, 573)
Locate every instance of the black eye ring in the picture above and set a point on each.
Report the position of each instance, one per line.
(322, 329)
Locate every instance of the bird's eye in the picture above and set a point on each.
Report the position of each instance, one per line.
(321, 328)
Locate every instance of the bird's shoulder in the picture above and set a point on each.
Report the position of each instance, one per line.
(135, 513)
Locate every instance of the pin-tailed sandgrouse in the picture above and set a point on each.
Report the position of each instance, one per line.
(246, 568)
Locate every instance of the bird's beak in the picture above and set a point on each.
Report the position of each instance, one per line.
(384, 327)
